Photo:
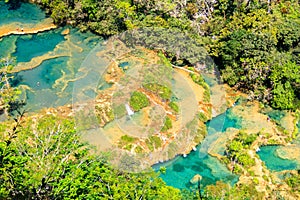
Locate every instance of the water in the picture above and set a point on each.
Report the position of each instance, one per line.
(50, 84)
(52, 59)
(222, 122)
(180, 170)
(273, 162)
(26, 14)
(30, 46)
(41, 81)
(123, 65)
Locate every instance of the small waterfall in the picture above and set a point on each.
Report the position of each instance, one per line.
(128, 109)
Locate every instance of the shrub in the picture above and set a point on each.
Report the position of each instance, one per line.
(174, 106)
(167, 124)
(138, 101)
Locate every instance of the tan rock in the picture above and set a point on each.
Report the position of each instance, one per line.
(195, 179)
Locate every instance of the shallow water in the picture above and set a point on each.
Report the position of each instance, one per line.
(273, 162)
(51, 84)
(180, 170)
(30, 46)
(26, 14)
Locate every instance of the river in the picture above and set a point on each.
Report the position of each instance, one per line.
(47, 64)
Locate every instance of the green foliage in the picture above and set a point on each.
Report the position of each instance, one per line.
(202, 117)
(245, 160)
(235, 146)
(163, 91)
(253, 49)
(198, 79)
(126, 142)
(138, 101)
(206, 96)
(237, 150)
(174, 106)
(294, 181)
(138, 149)
(9, 96)
(286, 80)
(153, 142)
(167, 124)
(46, 160)
(156, 141)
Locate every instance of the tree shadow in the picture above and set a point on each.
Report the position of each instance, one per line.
(14, 4)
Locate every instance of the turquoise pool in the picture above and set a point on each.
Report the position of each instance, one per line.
(180, 170)
(273, 162)
(30, 46)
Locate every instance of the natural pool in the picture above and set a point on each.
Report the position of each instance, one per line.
(180, 170)
(50, 83)
(273, 162)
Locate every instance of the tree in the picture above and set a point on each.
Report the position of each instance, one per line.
(138, 101)
(9, 96)
(47, 160)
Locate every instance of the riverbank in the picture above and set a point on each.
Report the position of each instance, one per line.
(254, 121)
(17, 28)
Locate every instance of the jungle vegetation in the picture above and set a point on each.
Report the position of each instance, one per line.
(255, 44)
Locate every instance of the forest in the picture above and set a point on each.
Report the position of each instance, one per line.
(255, 44)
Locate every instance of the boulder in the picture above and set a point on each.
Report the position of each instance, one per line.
(195, 179)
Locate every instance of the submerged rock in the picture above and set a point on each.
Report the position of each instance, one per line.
(196, 179)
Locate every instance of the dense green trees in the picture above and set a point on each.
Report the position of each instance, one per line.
(138, 100)
(250, 40)
(9, 96)
(45, 160)
(255, 49)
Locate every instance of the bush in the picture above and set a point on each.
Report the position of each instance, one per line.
(174, 106)
(167, 124)
(126, 141)
(163, 91)
(138, 101)
(202, 117)
(246, 160)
